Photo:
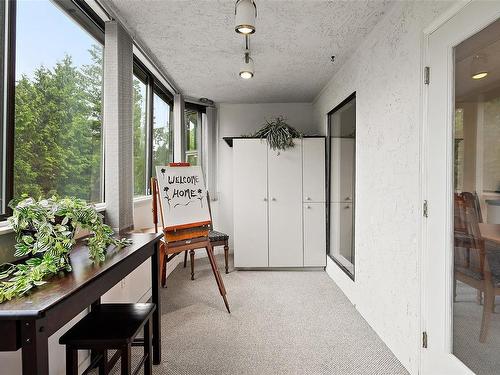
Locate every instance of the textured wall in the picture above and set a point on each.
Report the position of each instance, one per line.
(238, 119)
(385, 72)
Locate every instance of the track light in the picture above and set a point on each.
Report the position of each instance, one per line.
(247, 66)
(245, 12)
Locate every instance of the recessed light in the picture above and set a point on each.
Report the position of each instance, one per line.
(480, 75)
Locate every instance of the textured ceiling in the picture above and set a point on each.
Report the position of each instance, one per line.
(195, 42)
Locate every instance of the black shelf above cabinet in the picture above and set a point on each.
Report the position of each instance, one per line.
(229, 140)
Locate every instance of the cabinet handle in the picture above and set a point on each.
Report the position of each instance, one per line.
(346, 207)
(273, 199)
(308, 207)
(308, 198)
(348, 198)
(265, 199)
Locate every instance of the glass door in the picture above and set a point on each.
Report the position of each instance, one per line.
(342, 160)
(462, 232)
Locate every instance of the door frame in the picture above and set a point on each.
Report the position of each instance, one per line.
(428, 357)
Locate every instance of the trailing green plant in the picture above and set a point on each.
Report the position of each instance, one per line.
(278, 133)
(45, 231)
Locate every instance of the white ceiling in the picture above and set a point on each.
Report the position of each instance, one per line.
(485, 43)
(195, 42)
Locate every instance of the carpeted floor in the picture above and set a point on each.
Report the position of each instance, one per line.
(281, 322)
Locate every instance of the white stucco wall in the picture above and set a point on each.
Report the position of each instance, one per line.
(241, 119)
(386, 74)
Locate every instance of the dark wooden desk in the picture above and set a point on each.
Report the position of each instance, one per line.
(28, 322)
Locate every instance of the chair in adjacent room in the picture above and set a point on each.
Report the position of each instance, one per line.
(476, 261)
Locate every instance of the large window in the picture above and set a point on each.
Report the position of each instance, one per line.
(58, 104)
(192, 133)
(153, 131)
(140, 129)
(162, 121)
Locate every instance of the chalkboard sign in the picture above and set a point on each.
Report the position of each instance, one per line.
(183, 197)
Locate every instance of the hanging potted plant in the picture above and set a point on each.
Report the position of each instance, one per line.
(278, 133)
(45, 234)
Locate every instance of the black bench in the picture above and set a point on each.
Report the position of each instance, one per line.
(111, 327)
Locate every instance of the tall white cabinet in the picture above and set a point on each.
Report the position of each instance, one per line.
(279, 204)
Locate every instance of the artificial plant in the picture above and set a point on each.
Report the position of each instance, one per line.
(45, 231)
(278, 133)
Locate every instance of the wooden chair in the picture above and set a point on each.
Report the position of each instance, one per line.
(216, 239)
(476, 262)
(188, 240)
(111, 327)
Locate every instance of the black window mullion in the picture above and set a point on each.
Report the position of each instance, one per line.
(149, 132)
(9, 112)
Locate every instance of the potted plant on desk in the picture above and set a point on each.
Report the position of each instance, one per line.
(45, 234)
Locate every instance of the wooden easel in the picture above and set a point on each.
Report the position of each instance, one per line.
(180, 239)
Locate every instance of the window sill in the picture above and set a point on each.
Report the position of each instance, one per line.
(142, 198)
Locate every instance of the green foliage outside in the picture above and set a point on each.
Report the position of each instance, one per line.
(58, 131)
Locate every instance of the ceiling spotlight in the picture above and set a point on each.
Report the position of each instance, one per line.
(245, 12)
(247, 67)
(206, 101)
(479, 67)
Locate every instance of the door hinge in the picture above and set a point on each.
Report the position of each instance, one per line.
(427, 75)
(426, 209)
(424, 340)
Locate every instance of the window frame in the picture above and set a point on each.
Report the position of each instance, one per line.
(153, 86)
(348, 272)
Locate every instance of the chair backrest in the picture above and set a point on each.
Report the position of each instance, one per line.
(469, 244)
(472, 200)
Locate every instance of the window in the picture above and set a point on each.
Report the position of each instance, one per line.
(58, 103)
(192, 133)
(153, 133)
(162, 133)
(140, 131)
(342, 162)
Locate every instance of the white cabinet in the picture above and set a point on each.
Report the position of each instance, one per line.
(271, 191)
(314, 235)
(285, 207)
(250, 203)
(313, 162)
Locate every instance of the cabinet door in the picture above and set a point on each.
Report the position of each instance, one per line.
(285, 207)
(341, 224)
(342, 169)
(250, 203)
(313, 162)
(314, 235)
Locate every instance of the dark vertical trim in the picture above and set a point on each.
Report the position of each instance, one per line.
(149, 132)
(10, 102)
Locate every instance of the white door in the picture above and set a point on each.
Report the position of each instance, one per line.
(313, 161)
(250, 203)
(285, 207)
(314, 235)
(453, 325)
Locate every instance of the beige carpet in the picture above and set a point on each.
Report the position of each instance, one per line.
(281, 323)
